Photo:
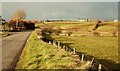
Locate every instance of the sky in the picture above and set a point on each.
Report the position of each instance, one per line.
(62, 10)
(59, 0)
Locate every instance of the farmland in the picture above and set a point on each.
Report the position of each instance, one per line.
(40, 55)
(60, 36)
(102, 47)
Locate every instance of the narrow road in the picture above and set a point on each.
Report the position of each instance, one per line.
(12, 47)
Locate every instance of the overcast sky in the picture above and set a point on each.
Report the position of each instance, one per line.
(62, 10)
(59, 0)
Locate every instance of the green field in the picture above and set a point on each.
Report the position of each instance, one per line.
(83, 27)
(103, 48)
(41, 55)
(38, 55)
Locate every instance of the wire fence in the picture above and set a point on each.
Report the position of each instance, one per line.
(96, 66)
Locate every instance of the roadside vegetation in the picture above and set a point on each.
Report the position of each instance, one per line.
(41, 55)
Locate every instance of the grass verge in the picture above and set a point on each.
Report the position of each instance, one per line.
(41, 55)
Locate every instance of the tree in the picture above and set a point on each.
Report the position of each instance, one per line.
(3, 21)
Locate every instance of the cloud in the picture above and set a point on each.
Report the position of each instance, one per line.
(60, 0)
(63, 10)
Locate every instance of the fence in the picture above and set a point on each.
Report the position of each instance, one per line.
(94, 64)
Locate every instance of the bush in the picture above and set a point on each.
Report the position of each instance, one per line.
(47, 30)
(57, 30)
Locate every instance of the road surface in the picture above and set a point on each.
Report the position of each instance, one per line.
(12, 47)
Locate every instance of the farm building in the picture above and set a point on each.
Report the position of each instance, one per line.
(115, 20)
(84, 20)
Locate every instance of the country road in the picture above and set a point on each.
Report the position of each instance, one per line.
(11, 48)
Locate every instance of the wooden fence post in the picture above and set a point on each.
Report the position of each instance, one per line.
(92, 61)
(54, 43)
(82, 59)
(49, 42)
(70, 52)
(58, 44)
(99, 68)
(73, 50)
(63, 47)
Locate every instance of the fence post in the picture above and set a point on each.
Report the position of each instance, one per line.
(58, 44)
(92, 61)
(42, 41)
(70, 52)
(54, 43)
(73, 50)
(82, 59)
(63, 47)
(99, 68)
(49, 42)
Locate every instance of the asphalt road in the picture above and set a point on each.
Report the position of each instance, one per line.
(12, 47)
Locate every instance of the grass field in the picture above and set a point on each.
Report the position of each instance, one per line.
(41, 55)
(104, 49)
(38, 55)
(81, 27)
